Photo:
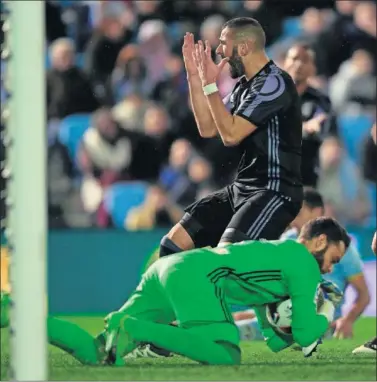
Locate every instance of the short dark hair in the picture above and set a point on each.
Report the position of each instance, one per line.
(328, 226)
(241, 22)
(313, 199)
(256, 29)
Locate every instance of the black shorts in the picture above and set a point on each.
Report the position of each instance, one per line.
(263, 215)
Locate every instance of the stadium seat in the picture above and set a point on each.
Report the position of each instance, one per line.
(71, 130)
(121, 197)
(291, 27)
(353, 130)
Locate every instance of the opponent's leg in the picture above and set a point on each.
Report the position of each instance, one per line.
(195, 343)
(74, 340)
(201, 226)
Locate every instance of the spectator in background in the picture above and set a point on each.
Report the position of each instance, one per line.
(365, 36)
(68, 89)
(312, 23)
(129, 112)
(193, 182)
(354, 83)
(102, 53)
(202, 9)
(109, 154)
(268, 17)
(370, 157)
(149, 10)
(210, 30)
(172, 90)
(60, 174)
(174, 170)
(55, 28)
(156, 211)
(353, 28)
(158, 125)
(341, 184)
(186, 174)
(154, 48)
(332, 42)
(129, 75)
(318, 119)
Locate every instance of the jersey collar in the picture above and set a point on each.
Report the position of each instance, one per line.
(243, 79)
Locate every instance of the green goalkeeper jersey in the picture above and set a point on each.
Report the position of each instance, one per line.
(257, 273)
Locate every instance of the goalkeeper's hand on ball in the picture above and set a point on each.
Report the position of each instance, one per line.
(332, 292)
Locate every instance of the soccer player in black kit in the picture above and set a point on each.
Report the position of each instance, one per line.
(262, 118)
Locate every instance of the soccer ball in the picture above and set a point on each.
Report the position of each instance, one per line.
(279, 315)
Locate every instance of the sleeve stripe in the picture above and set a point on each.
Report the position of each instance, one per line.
(273, 88)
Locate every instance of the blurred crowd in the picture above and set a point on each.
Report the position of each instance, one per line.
(123, 145)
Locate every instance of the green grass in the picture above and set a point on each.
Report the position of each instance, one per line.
(333, 362)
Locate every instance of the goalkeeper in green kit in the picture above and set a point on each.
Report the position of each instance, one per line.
(195, 288)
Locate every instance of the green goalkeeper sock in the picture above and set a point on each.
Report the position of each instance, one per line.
(191, 343)
(74, 340)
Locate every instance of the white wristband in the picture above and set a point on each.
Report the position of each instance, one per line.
(210, 89)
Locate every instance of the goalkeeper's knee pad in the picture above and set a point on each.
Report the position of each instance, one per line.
(168, 247)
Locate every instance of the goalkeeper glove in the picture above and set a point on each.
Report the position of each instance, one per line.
(332, 292)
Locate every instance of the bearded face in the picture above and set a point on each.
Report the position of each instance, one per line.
(236, 66)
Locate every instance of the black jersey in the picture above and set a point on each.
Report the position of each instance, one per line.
(314, 103)
(271, 155)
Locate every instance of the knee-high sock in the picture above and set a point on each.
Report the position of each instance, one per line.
(185, 342)
(74, 340)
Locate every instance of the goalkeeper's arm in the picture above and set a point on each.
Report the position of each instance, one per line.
(308, 325)
(274, 340)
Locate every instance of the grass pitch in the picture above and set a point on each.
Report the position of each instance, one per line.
(334, 361)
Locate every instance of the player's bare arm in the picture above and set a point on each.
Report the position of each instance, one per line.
(200, 108)
(231, 128)
(344, 325)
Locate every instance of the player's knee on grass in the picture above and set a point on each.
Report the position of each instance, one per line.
(232, 354)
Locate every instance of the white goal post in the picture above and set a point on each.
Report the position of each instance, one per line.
(27, 223)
